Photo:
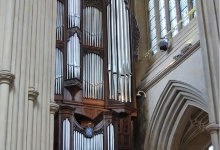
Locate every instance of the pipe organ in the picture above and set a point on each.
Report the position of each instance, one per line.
(94, 75)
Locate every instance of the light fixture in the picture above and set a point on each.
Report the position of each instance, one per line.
(139, 94)
(164, 44)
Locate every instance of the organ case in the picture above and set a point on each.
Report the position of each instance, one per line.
(94, 75)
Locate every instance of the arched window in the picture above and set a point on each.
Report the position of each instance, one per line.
(211, 148)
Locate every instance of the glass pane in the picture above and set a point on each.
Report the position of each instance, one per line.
(151, 4)
(152, 23)
(184, 12)
(152, 14)
(163, 33)
(173, 17)
(153, 33)
(162, 13)
(194, 5)
(161, 4)
(163, 24)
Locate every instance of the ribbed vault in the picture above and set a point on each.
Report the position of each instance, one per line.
(172, 114)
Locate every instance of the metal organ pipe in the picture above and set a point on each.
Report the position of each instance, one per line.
(110, 135)
(80, 142)
(74, 13)
(58, 71)
(119, 59)
(93, 80)
(73, 57)
(92, 27)
(66, 134)
(59, 21)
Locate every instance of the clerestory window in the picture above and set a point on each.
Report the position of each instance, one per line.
(167, 18)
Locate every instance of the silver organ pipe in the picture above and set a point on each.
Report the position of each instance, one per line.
(58, 71)
(110, 133)
(119, 59)
(92, 31)
(74, 13)
(93, 81)
(73, 57)
(82, 143)
(59, 21)
(66, 134)
(73, 44)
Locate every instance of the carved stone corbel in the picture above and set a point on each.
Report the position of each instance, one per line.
(53, 107)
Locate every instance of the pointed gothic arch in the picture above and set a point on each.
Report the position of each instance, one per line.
(176, 100)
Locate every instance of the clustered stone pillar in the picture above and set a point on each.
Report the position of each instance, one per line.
(207, 14)
(27, 39)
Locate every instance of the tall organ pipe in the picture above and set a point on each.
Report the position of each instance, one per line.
(93, 76)
(66, 134)
(92, 27)
(119, 59)
(59, 21)
(58, 71)
(73, 57)
(74, 13)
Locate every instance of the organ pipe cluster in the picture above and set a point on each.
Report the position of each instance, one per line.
(73, 45)
(83, 143)
(59, 21)
(66, 134)
(58, 71)
(73, 57)
(92, 32)
(93, 82)
(119, 59)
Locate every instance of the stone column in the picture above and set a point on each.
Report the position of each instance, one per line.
(213, 129)
(32, 95)
(6, 79)
(209, 42)
(53, 108)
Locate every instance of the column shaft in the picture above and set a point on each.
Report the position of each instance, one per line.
(4, 93)
(30, 125)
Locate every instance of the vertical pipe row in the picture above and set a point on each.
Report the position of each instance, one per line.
(73, 13)
(58, 71)
(110, 135)
(92, 29)
(93, 76)
(119, 61)
(59, 21)
(66, 134)
(73, 57)
(83, 143)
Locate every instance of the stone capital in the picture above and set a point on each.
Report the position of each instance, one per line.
(212, 127)
(53, 107)
(6, 77)
(32, 94)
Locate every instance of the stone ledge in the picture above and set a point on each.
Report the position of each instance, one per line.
(53, 107)
(6, 77)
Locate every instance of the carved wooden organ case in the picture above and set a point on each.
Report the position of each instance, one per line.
(94, 75)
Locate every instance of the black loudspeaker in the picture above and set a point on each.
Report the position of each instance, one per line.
(163, 45)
